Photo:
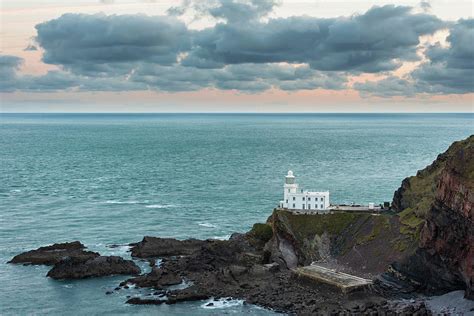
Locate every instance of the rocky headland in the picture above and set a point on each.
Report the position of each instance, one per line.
(423, 246)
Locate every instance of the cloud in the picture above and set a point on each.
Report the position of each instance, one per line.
(8, 69)
(378, 40)
(83, 42)
(248, 78)
(388, 87)
(247, 50)
(448, 69)
(425, 5)
(231, 11)
(245, 77)
(30, 47)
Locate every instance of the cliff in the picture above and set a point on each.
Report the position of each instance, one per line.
(342, 240)
(440, 199)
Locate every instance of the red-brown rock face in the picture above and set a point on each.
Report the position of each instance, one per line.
(449, 228)
(441, 197)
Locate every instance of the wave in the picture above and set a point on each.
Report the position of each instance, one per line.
(224, 302)
(122, 202)
(209, 225)
(226, 237)
(160, 206)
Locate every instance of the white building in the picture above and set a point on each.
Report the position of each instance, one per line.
(298, 199)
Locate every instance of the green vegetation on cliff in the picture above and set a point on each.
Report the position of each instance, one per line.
(261, 232)
(416, 195)
(305, 225)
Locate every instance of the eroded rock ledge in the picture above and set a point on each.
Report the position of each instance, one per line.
(70, 260)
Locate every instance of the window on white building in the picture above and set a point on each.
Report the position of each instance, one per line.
(303, 198)
(303, 206)
(309, 198)
(309, 206)
(294, 199)
(294, 205)
(322, 206)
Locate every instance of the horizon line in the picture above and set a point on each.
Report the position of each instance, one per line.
(204, 112)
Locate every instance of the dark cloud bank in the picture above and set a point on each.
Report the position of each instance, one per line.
(247, 51)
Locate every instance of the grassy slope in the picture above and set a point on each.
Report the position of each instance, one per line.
(419, 195)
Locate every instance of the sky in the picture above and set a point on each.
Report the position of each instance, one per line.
(236, 56)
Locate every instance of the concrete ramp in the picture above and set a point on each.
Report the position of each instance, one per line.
(345, 282)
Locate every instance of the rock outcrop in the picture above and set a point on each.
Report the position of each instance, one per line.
(70, 260)
(240, 268)
(443, 211)
(50, 255)
(74, 268)
(151, 247)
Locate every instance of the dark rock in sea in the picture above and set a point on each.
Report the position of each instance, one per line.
(151, 247)
(187, 295)
(157, 278)
(142, 301)
(50, 255)
(74, 268)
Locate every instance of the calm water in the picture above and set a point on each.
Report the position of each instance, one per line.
(106, 179)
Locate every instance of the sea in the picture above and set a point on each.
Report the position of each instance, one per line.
(110, 179)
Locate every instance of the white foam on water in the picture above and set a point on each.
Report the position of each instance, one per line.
(121, 202)
(183, 285)
(224, 302)
(205, 224)
(226, 237)
(160, 206)
(15, 191)
(120, 250)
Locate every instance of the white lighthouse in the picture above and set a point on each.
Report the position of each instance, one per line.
(300, 200)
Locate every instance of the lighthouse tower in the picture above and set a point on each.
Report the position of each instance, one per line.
(303, 200)
(290, 187)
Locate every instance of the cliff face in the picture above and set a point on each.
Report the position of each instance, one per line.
(445, 258)
(346, 241)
